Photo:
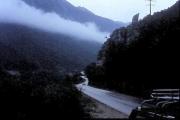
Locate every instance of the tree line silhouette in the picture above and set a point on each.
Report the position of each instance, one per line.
(140, 57)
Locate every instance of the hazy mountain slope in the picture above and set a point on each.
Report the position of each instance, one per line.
(68, 11)
(46, 50)
(142, 56)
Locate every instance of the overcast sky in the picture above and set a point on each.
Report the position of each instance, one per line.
(122, 10)
(30, 16)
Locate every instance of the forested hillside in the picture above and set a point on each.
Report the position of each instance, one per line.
(20, 44)
(142, 56)
(33, 95)
(33, 69)
(79, 14)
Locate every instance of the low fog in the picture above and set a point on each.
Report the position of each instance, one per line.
(16, 11)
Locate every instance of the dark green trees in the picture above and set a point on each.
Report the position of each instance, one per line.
(38, 95)
(142, 56)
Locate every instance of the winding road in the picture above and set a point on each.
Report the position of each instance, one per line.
(120, 102)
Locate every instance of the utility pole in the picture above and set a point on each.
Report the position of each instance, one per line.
(150, 6)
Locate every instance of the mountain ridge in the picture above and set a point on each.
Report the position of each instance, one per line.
(68, 11)
(140, 57)
(46, 50)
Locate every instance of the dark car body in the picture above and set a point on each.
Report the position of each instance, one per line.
(163, 105)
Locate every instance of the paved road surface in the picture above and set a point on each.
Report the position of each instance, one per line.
(120, 102)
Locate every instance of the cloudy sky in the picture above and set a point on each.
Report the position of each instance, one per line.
(51, 22)
(122, 10)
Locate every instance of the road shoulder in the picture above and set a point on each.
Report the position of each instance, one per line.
(99, 110)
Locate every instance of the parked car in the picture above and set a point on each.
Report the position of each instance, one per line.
(163, 105)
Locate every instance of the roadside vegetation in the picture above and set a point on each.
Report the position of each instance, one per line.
(140, 57)
(38, 94)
